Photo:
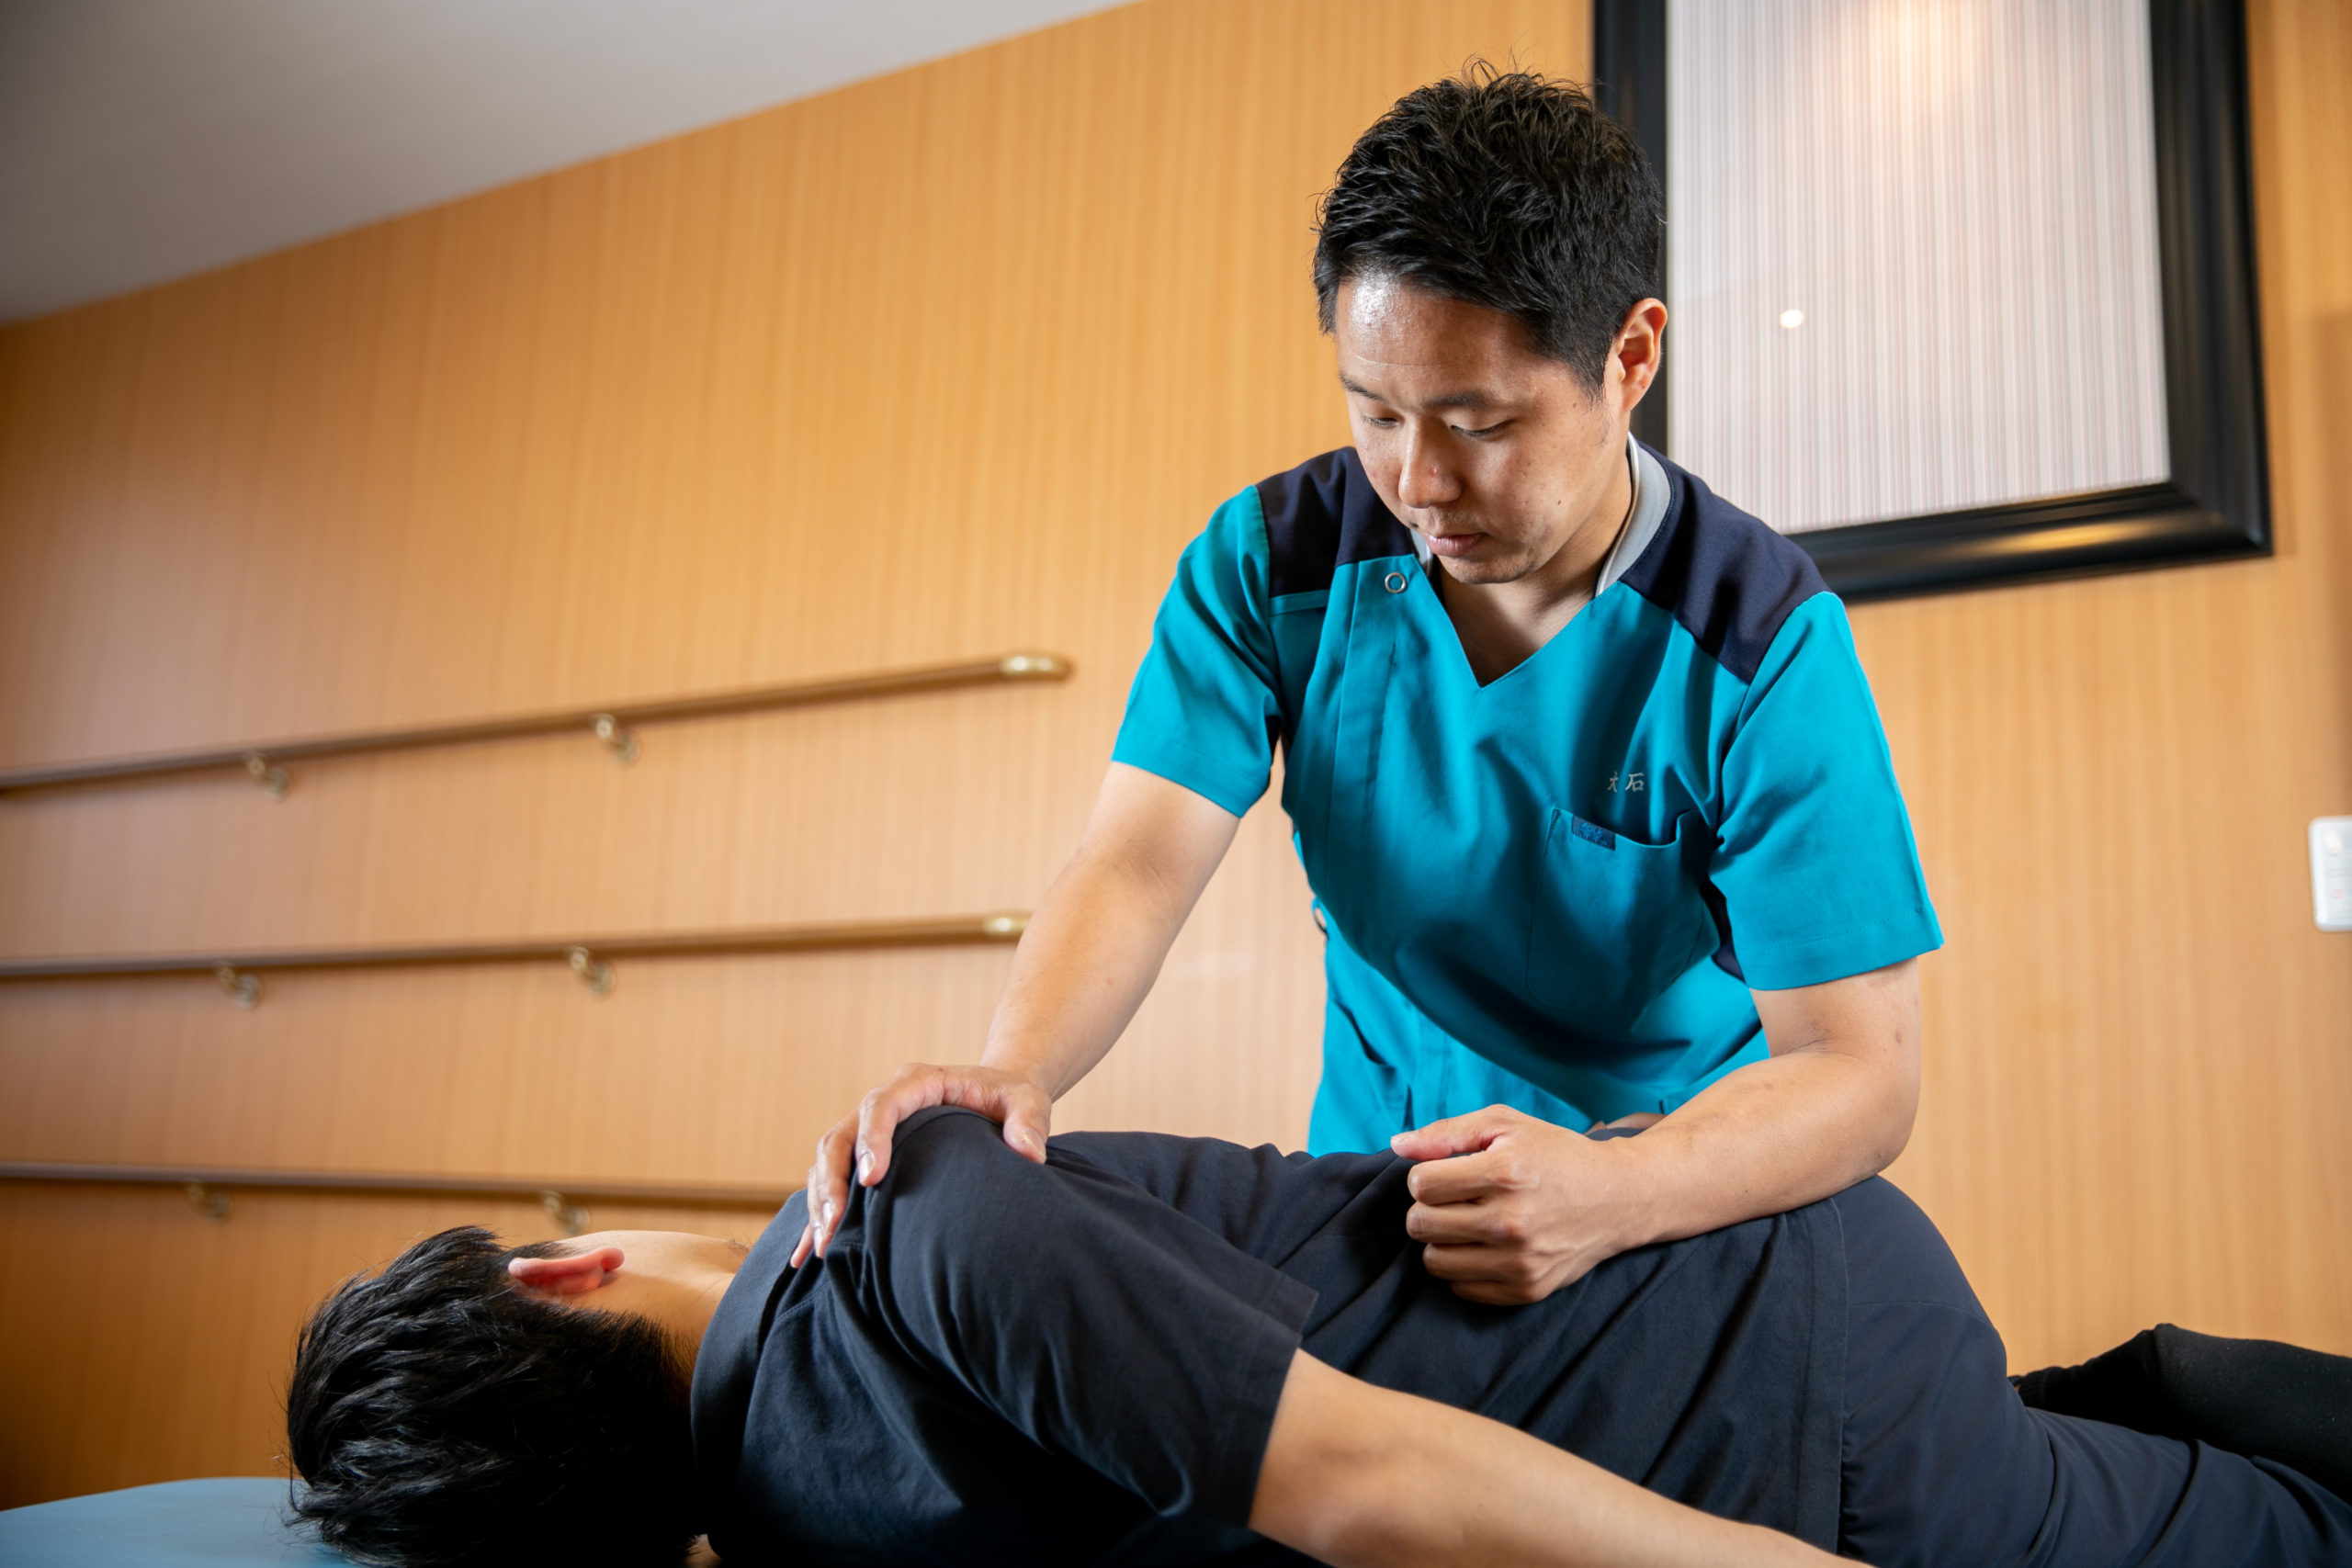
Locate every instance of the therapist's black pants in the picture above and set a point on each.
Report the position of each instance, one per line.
(1941, 1462)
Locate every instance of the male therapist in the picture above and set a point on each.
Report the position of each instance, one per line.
(1583, 770)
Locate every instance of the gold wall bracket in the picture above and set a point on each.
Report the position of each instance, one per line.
(272, 779)
(616, 737)
(567, 1216)
(594, 973)
(240, 988)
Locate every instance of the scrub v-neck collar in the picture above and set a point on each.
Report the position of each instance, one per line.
(1651, 493)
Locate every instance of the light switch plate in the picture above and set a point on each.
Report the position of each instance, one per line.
(2332, 872)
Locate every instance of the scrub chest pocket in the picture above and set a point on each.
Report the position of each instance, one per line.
(1613, 921)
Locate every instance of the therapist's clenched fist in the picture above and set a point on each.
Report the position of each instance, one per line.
(1511, 1208)
(860, 1143)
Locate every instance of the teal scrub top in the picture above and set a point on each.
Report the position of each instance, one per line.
(1553, 891)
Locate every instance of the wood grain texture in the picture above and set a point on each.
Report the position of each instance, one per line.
(944, 362)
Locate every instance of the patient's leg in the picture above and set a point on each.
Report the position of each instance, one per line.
(1364, 1477)
(1945, 1464)
(2251, 1396)
(1105, 1326)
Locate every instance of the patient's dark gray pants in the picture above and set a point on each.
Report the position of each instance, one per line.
(1709, 1368)
(1944, 1463)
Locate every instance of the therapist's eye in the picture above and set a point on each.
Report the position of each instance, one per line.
(1484, 433)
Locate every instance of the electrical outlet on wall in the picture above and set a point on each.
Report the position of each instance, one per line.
(2332, 872)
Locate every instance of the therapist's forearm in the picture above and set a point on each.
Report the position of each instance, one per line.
(1091, 951)
(1834, 1104)
(1098, 938)
(1768, 1139)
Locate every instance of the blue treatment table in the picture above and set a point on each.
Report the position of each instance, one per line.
(231, 1522)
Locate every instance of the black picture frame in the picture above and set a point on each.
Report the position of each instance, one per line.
(2216, 505)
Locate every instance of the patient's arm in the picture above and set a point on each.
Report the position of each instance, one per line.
(1362, 1477)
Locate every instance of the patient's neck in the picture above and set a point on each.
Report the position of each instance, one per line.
(672, 1279)
(683, 1305)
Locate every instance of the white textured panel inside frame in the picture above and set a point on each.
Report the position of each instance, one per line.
(1912, 253)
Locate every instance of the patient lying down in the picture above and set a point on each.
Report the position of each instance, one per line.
(1165, 1350)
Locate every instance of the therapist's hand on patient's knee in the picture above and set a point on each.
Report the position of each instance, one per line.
(859, 1144)
(1511, 1207)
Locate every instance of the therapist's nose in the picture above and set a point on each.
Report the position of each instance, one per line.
(1426, 480)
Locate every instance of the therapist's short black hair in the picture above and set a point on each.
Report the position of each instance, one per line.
(1507, 190)
(441, 1416)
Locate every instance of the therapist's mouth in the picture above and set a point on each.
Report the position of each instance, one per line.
(1453, 544)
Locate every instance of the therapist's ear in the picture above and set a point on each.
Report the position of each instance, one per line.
(1635, 356)
(574, 1276)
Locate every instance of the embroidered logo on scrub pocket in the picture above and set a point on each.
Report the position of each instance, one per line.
(1591, 834)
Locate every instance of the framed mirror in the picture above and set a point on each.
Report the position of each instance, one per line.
(1960, 291)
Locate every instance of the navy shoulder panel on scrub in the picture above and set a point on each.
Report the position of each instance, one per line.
(1321, 515)
(1730, 580)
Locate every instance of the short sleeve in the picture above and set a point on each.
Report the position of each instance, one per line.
(1202, 711)
(1815, 858)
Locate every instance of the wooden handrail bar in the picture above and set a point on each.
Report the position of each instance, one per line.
(229, 1177)
(265, 762)
(564, 1201)
(589, 958)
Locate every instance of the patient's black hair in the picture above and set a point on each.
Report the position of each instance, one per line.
(441, 1416)
(1507, 190)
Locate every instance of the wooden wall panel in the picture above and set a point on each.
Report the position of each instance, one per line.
(948, 363)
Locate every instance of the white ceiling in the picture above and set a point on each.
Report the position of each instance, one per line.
(145, 139)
